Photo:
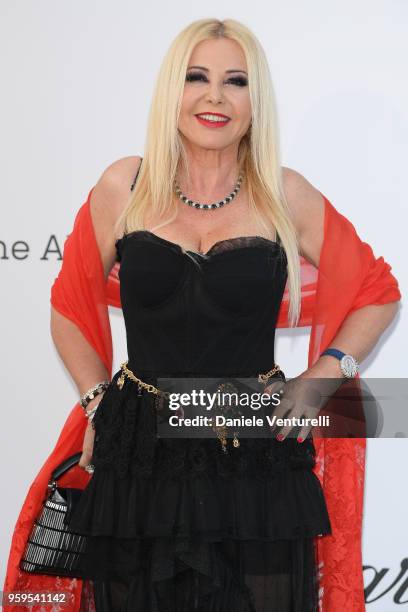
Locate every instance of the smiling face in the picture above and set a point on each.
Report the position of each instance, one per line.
(216, 83)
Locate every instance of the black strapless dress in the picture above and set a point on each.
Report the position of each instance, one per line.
(178, 525)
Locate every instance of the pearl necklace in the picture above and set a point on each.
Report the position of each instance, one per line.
(226, 200)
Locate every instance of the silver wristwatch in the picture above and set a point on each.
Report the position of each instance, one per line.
(348, 364)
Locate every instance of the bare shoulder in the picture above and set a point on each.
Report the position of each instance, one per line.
(307, 205)
(112, 191)
(108, 199)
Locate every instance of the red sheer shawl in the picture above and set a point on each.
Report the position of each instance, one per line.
(340, 285)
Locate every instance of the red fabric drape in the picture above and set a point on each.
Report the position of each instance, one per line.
(344, 281)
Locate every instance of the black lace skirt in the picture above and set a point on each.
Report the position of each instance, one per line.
(176, 525)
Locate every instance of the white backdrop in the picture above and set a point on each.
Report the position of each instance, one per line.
(77, 80)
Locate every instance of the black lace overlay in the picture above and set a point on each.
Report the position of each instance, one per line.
(262, 489)
(126, 442)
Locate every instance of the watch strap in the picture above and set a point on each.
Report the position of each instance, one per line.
(333, 352)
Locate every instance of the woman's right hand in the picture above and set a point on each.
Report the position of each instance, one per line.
(89, 437)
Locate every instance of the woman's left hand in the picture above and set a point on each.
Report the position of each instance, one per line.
(303, 398)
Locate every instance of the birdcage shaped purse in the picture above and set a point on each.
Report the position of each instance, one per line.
(52, 548)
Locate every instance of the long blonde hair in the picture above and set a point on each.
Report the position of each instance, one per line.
(258, 152)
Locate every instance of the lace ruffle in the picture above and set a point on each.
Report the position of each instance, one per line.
(148, 487)
(126, 441)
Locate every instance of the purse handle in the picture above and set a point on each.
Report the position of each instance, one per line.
(63, 467)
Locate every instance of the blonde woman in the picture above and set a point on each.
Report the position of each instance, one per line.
(206, 524)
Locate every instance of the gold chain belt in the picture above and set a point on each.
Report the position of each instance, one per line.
(126, 372)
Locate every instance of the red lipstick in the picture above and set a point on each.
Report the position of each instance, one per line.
(213, 124)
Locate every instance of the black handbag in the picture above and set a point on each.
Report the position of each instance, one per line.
(51, 547)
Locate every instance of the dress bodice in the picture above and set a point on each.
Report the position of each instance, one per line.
(208, 313)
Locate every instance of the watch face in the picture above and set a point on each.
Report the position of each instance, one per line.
(348, 366)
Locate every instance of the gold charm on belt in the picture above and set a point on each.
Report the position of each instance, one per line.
(140, 383)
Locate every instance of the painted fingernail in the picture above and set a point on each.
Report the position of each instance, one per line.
(279, 437)
(300, 439)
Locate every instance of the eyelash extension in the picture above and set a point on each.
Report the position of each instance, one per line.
(197, 76)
